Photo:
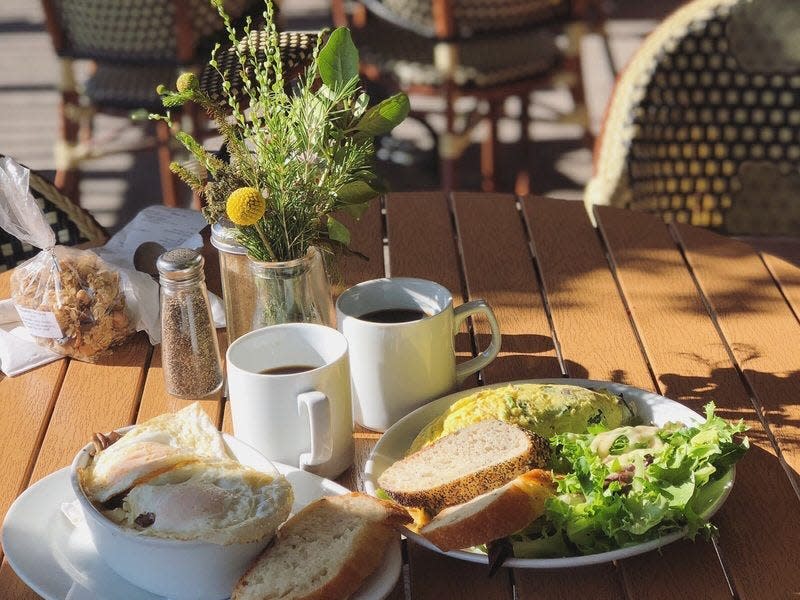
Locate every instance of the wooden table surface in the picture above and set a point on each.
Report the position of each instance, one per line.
(672, 309)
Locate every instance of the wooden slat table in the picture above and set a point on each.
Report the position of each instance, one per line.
(676, 310)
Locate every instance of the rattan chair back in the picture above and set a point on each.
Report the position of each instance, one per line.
(71, 224)
(702, 127)
(137, 31)
(469, 17)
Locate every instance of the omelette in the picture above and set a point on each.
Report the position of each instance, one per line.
(546, 409)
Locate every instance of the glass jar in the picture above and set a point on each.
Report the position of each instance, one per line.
(189, 350)
(238, 289)
(295, 291)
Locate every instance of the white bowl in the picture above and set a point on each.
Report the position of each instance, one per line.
(177, 569)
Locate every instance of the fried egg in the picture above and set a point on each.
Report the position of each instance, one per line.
(153, 447)
(217, 501)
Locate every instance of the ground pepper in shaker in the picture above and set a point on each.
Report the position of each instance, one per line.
(189, 349)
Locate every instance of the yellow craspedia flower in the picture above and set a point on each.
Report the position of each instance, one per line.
(187, 81)
(245, 206)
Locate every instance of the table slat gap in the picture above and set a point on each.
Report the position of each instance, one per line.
(599, 342)
(462, 275)
(422, 236)
(44, 423)
(498, 266)
(140, 383)
(589, 315)
(640, 338)
(612, 266)
(672, 317)
(751, 391)
(542, 284)
(787, 279)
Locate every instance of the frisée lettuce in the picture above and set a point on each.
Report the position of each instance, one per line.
(632, 484)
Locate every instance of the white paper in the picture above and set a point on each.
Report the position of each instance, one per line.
(41, 323)
(18, 351)
(170, 227)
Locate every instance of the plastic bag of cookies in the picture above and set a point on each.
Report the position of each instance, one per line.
(69, 300)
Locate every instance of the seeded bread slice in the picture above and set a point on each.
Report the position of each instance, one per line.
(463, 465)
(492, 515)
(325, 551)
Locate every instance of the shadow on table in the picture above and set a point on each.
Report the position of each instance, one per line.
(776, 399)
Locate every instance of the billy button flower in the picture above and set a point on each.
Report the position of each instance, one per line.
(245, 206)
(187, 81)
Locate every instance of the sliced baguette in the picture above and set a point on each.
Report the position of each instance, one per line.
(463, 465)
(492, 515)
(325, 551)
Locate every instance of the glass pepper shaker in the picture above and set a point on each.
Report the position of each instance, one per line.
(189, 349)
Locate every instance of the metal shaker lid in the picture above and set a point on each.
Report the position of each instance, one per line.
(180, 264)
(223, 238)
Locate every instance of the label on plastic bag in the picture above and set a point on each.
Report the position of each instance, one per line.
(40, 323)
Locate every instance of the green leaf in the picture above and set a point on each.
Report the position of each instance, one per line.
(356, 210)
(356, 192)
(385, 116)
(338, 232)
(338, 60)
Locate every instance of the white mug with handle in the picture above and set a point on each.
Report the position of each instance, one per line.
(401, 334)
(289, 388)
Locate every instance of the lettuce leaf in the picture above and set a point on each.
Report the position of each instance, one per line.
(607, 504)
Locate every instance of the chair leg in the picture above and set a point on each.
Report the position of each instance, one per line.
(67, 178)
(522, 186)
(447, 153)
(489, 149)
(168, 184)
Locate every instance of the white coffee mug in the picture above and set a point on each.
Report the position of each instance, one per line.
(304, 418)
(397, 367)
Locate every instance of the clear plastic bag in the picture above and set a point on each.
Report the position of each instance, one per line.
(70, 300)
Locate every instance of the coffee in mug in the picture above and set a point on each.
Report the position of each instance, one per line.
(289, 388)
(401, 335)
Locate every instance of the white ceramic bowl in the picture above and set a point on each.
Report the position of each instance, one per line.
(177, 569)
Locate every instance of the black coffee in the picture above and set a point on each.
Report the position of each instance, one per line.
(394, 315)
(287, 370)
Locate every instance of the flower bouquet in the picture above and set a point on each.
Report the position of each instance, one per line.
(298, 155)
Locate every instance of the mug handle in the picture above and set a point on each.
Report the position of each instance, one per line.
(465, 369)
(318, 408)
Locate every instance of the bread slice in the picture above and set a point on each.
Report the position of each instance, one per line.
(463, 465)
(325, 551)
(492, 515)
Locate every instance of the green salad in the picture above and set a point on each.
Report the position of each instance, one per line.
(632, 484)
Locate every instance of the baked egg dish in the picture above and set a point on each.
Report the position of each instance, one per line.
(172, 477)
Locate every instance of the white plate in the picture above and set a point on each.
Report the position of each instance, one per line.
(650, 408)
(59, 561)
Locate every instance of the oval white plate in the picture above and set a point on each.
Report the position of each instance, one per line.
(58, 560)
(649, 407)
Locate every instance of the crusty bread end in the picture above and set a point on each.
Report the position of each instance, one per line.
(493, 515)
(325, 551)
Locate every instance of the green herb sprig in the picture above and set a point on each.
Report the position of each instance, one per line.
(308, 151)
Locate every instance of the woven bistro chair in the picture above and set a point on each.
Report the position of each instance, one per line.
(296, 49)
(135, 45)
(488, 50)
(72, 224)
(703, 126)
